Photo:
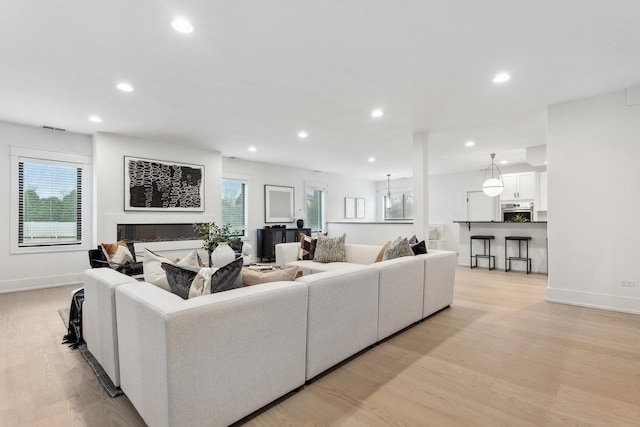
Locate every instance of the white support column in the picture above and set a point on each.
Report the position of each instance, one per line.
(421, 185)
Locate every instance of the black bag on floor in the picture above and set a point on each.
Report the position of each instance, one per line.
(74, 330)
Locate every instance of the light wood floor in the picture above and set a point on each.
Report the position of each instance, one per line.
(500, 356)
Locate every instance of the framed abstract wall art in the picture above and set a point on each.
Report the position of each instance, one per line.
(162, 186)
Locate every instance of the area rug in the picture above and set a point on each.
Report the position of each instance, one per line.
(102, 376)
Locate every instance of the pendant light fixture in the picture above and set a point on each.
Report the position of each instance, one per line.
(388, 201)
(494, 184)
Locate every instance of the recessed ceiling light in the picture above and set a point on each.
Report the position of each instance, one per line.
(504, 162)
(546, 162)
(95, 119)
(372, 159)
(501, 77)
(302, 134)
(252, 149)
(469, 144)
(125, 87)
(182, 25)
(377, 113)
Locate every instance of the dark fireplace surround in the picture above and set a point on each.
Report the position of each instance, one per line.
(156, 232)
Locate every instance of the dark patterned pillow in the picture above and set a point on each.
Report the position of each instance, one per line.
(330, 249)
(225, 277)
(180, 278)
(307, 247)
(413, 240)
(419, 248)
(189, 282)
(117, 253)
(398, 249)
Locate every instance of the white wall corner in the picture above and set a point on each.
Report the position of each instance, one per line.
(633, 95)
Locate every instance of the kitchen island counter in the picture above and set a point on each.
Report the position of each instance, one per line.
(537, 230)
(470, 223)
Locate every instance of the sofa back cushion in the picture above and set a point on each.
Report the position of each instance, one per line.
(361, 254)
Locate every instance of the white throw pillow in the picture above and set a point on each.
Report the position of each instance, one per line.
(433, 233)
(152, 267)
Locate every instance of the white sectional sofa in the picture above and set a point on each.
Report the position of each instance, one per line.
(99, 327)
(342, 315)
(437, 280)
(214, 359)
(210, 360)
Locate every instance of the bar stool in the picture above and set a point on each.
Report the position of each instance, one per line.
(485, 254)
(507, 260)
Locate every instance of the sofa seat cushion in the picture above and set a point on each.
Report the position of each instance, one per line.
(312, 267)
(251, 277)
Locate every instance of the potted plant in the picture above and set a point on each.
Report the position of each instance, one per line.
(519, 218)
(216, 240)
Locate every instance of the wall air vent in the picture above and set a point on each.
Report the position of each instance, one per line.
(52, 128)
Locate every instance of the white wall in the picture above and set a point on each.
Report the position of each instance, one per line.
(338, 187)
(36, 270)
(593, 151)
(109, 151)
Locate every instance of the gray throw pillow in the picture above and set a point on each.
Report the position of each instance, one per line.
(419, 248)
(180, 278)
(330, 249)
(397, 250)
(224, 278)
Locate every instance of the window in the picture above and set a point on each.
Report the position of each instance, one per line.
(401, 206)
(315, 209)
(49, 207)
(234, 205)
(49, 202)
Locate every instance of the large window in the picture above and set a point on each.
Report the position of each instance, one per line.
(315, 209)
(47, 206)
(401, 206)
(50, 203)
(234, 205)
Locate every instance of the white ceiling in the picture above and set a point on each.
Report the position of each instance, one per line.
(256, 72)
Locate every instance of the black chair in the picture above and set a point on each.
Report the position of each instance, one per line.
(485, 253)
(508, 259)
(98, 259)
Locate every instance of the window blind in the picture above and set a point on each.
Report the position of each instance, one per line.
(234, 205)
(50, 203)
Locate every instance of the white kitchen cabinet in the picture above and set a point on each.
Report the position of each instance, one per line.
(519, 186)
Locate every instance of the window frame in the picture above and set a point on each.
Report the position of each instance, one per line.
(21, 154)
(404, 204)
(316, 186)
(244, 182)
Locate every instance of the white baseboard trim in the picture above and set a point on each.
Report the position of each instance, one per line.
(594, 300)
(32, 283)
